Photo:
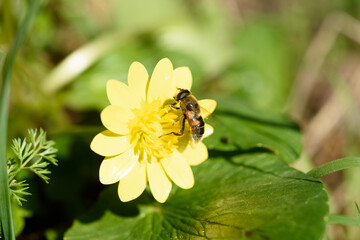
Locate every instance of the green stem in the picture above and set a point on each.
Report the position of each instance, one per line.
(334, 166)
(7, 223)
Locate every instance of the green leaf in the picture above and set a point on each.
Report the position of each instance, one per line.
(334, 166)
(237, 126)
(253, 196)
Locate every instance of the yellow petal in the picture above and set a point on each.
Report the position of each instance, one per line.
(208, 130)
(133, 184)
(138, 79)
(116, 119)
(207, 107)
(160, 184)
(195, 153)
(112, 169)
(108, 143)
(182, 78)
(177, 168)
(119, 94)
(161, 81)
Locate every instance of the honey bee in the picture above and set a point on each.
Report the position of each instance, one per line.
(191, 111)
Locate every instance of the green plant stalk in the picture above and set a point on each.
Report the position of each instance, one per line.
(7, 223)
(334, 166)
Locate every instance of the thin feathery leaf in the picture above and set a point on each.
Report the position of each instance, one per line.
(34, 154)
(18, 191)
(28, 151)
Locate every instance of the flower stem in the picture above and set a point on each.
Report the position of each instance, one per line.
(7, 223)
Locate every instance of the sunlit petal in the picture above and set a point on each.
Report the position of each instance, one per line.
(161, 81)
(207, 106)
(112, 169)
(108, 143)
(182, 78)
(178, 170)
(119, 94)
(208, 130)
(133, 184)
(138, 79)
(160, 184)
(195, 153)
(116, 119)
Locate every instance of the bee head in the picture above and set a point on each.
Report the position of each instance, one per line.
(181, 94)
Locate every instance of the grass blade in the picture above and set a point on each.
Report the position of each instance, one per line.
(334, 166)
(5, 204)
(345, 220)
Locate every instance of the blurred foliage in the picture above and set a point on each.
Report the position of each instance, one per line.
(247, 50)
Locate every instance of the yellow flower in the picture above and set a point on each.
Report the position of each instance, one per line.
(135, 146)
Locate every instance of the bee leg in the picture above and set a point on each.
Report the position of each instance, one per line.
(183, 126)
(174, 107)
(181, 131)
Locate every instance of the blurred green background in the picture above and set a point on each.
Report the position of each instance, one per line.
(299, 57)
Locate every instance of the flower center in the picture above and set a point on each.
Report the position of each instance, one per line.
(151, 128)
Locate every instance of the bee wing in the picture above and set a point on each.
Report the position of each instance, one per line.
(208, 131)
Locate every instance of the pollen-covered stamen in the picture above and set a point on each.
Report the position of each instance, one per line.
(149, 128)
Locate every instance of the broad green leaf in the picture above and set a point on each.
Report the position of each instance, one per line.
(254, 196)
(237, 126)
